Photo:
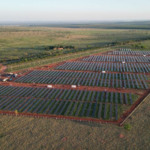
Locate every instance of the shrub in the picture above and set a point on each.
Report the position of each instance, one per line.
(127, 127)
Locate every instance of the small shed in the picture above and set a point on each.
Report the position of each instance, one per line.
(49, 86)
(73, 86)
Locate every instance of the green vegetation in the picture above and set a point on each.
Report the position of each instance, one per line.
(127, 127)
(24, 44)
(56, 59)
(105, 25)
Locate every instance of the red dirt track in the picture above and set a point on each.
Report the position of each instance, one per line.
(2, 68)
(58, 117)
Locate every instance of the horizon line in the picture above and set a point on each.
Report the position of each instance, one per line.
(76, 22)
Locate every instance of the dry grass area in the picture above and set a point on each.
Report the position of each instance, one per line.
(40, 133)
(17, 42)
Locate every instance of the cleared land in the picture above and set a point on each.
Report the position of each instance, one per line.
(85, 103)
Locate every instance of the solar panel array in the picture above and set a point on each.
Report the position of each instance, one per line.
(98, 71)
(114, 67)
(116, 80)
(104, 105)
(129, 52)
(139, 59)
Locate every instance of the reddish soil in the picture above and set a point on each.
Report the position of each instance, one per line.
(58, 117)
(48, 67)
(2, 68)
(54, 65)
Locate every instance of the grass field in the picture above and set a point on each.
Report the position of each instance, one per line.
(40, 133)
(146, 44)
(28, 42)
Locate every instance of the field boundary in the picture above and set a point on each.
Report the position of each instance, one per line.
(134, 107)
(56, 59)
(57, 117)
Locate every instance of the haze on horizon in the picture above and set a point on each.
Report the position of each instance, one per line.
(69, 10)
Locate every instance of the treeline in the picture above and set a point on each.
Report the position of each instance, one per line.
(42, 54)
(142, 25)
(59, 46)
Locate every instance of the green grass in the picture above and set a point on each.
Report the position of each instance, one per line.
(146, 44)
(127, 127)
(136, 45)
(27, 42)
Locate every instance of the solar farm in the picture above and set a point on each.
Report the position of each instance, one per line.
(113, 67)
(105, 87)
(129, 52)
(94, 104)
(117, 80)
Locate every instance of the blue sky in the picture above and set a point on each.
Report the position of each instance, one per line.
(74, 10)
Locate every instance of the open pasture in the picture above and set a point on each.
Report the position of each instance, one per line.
(26, 44)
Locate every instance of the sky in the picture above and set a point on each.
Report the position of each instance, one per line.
(74, 10)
